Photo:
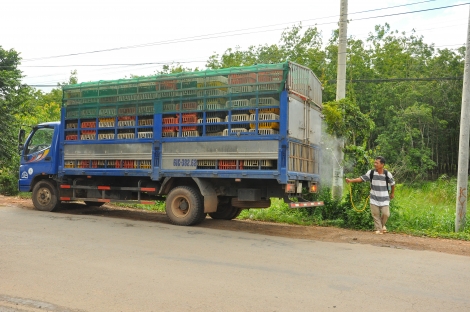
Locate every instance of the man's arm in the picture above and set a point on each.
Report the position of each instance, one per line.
(392, 194)
(356, 180)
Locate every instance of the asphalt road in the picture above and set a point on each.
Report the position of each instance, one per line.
(69, 262)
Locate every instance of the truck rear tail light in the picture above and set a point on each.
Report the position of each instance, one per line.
(313, 188)
(290, 188)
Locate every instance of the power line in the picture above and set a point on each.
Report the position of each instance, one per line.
(205, 37)
(333, 81)
(106, 65)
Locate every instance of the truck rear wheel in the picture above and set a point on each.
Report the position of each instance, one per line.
(185, 206)
(225, 212)
(45, 196)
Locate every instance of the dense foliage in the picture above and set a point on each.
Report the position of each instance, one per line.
(403, 95)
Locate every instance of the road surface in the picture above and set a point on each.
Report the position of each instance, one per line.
(72, 262)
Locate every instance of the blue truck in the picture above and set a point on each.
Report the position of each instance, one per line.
(207, 142)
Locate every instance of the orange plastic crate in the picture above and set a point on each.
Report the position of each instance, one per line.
(189, 118)
(269, 76)
(169, 129)
(169, 120)
(242, 78)
(89, 124)
(71, 137)
(230, 165)
(167, 85)
(88, 131)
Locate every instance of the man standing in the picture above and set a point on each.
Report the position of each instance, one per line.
(379, 197)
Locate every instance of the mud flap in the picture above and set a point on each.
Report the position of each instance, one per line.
(210, 196)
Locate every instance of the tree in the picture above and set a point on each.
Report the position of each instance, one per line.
(11, 93)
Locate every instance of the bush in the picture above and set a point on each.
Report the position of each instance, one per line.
(8, 183)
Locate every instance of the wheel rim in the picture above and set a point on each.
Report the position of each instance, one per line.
(180, 206)
(44, 196)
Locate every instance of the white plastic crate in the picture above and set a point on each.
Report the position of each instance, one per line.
(169, 107)
(233, 131)
(145, 135)
(107, 112)
(265, 131)
(241, 89)
(211, 92)
(221, 79)
(72, 125)
(126, 123)
(145, 122)
(106, 136)
(264, 116)
(267, 163)
(206, 163)
(237, 103)
(84, 137)
(146, 109)
(106, 124)
(213, 119)
(125, 135)
(189, 134)
(169, 134)
(211, 106)
(239, 117)
(189, 92)
(265, 101)
(126, 111)
(269, 87)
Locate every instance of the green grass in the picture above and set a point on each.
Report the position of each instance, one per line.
(425, 209)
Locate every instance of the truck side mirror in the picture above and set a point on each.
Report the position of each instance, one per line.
(21, 135)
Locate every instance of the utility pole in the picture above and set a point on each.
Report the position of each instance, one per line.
(462, 175)
(337, 189)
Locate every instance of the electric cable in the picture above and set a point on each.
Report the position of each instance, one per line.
(208, 36)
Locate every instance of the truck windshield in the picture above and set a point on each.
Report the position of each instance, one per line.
(41, 139)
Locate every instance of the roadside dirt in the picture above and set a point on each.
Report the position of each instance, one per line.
(325, 234)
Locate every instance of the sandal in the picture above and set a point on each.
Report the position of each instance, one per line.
(379, 232)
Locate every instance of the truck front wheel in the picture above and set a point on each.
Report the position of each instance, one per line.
(185, 206)
(45, 196)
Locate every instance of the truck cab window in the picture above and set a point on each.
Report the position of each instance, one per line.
(40, 140)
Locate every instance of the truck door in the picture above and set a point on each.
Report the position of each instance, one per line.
(38, 156)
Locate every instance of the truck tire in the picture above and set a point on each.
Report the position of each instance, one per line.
(45, 196)
(225, 212)
(94, 204)
(185, 206)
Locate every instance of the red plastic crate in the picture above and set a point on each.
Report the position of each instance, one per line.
(190, 118)
(84, 164)
(169, 120)
(94, 164)
(88, 131)
(230, 165)
(242, 78)
(270, 76)
(123, 118)
(129, 164)
(169, 129)
(167, 85)
(71, 137)
(89, 124)
(189, 128)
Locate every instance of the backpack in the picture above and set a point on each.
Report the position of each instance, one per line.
(371, 176)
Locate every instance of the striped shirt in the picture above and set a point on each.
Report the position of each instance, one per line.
(379, 190)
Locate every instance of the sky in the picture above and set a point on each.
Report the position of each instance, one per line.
(189, 32)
